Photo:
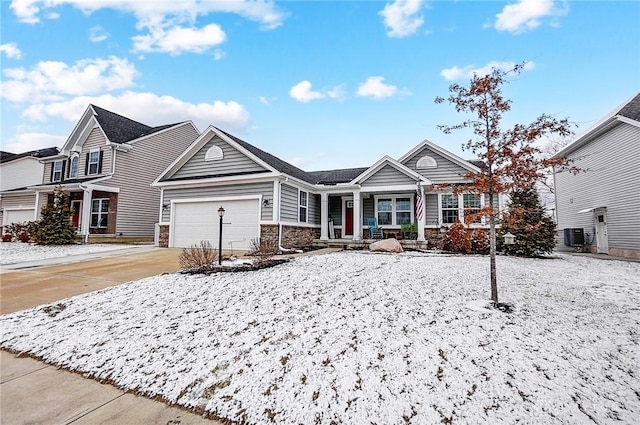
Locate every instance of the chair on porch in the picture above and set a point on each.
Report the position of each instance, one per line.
(375, 231)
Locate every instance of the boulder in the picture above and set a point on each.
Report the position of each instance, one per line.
(386, 245)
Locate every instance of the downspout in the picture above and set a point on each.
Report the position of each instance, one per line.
(280, 212)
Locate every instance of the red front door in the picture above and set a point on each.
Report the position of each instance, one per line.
(348, 218)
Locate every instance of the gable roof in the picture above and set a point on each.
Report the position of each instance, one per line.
(39, 153)
(333, 177)
(468, 165)
(119, 129)
(628, 112)
(387, 160)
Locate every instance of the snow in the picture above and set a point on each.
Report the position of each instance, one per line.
(18, 252)
(362, 338)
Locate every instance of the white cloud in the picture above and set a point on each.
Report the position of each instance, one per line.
(97, 34)
(401, 17)
(376, 88)
(11, 50)
(456, 73)
(52, 80)
(24, 142)
(148, 108)
(302, 92)
(219, 54)
(180, 39)
(525, 15)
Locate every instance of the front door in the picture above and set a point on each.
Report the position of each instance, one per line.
(76, 210)
(348, 219)
(602, 240)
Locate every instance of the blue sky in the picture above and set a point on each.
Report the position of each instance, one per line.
(322, 84)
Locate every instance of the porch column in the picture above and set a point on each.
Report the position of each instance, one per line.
(38, 207)
(357, 216)
(422, 220)
(86, 213)
(324, 216)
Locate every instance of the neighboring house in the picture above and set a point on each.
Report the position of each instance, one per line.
(17, 172)
(265, 197)
(603, 200)
(107, 166)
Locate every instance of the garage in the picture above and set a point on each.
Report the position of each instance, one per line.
(18, 216)
(194, 221)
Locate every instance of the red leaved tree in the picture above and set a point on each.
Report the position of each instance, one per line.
(511, 158)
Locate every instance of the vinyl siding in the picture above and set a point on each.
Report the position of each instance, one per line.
(233, 162)
(96, 140)
(445, 172)
(388, 176)
(431, 209)
(288, 203)
(314, 209)
(263, 189)
(368, 210)
(22, 172)
(138, 202)
(335, 209)
(26, 201)
(611, 178)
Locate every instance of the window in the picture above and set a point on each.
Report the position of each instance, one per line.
(458, 207)
(394, 211)
(471, 203)
(99, 213)
(303, 196)
(73, 167)
(214, 153)
(449, 208)
(56, 175)
(94, 162)
(426, 162)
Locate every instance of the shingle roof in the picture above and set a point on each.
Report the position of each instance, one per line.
(119, 129)
(39, 153)
(333, 177)
(631, 109)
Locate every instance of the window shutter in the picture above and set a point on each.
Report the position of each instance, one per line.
(86, 165)
(64, 163)
(52, 167)
(68, 162)
(100, 162)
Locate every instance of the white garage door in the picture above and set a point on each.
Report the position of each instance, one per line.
(193, 222)
(18, 216)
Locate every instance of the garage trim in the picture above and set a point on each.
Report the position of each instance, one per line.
(5, 215)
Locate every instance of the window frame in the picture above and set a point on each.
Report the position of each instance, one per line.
(74, 158)
(303, 207)
(394, 209)
(55, 172)
(100, 213)
(91, 162)
(461, 209)
(214, 153)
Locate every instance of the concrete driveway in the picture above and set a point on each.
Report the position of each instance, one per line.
(33, 392)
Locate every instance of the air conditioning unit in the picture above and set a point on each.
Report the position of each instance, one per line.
(574, 236)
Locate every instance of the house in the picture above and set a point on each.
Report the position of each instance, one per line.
(267, 198)
(17, 172)
(601, 204)
(107, 166)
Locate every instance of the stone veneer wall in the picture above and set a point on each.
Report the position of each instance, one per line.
(293, 237)
(163, 238)
(269, 234)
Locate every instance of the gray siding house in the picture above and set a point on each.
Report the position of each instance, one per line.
(265, 197)
(107, 166)
(603, 201)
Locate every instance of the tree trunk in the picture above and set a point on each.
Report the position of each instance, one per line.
(492, 254)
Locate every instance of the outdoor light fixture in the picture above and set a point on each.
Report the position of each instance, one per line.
(509, 239)
(221, 214)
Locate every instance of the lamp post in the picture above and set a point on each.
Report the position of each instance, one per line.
(221, 214)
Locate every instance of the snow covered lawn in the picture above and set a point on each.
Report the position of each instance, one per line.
(17, 252)
(361, 338)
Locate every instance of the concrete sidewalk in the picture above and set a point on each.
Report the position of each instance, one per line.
(33, 392)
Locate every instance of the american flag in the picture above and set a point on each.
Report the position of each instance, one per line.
(419, 205)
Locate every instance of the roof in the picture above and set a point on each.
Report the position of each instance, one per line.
(39, 153)
(119, 129)
(332, 177)
(628, 112)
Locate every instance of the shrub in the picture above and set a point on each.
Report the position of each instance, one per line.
(479, 241)
(201, 256)
(262, 249)
(457, 239)
(16, 230)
